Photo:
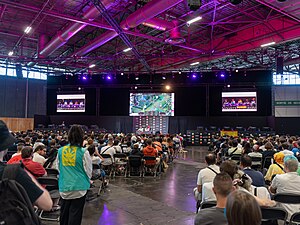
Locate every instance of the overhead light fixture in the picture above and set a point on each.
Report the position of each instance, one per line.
(122, 74)
(268, 44)
(10, 53)
(236, 70)
(127, 49)
(92, 66)
(163, 78)
(194, 20)
(27, 30)
(168, 87)
(195, 63)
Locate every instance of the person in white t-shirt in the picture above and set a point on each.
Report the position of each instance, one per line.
(109, 149)
(288, 182)
(207, 174)
(39, 153)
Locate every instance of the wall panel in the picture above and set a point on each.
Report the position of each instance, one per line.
(13, 97)
(18, 124)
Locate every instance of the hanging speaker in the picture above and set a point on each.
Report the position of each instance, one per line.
(19, 71)
(279, 65)
(194, 5)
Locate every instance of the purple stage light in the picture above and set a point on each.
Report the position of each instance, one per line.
(108, 77)
(84, 78)
(194, 75)
(222, 75)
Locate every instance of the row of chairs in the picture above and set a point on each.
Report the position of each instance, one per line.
(258, 163)
(126, 165)
(51, 184)
(270, 215)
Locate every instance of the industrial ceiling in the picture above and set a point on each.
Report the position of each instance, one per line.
(90, 36)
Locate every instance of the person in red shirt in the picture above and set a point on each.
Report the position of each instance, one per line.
(36, 169)
(16, 158)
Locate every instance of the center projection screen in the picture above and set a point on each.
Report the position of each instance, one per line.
(151, 104)
(239, 101)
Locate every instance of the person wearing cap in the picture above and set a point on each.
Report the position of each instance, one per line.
(36, 193)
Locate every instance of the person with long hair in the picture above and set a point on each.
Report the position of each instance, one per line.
(75, 171)
(242, 209)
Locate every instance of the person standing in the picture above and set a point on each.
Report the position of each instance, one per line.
(75, 171)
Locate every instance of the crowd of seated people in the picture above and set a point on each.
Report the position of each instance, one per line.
(276, 171)
(45, 145)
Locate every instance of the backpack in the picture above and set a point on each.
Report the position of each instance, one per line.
(16, 208)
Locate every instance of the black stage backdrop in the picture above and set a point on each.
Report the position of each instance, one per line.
(197, 102)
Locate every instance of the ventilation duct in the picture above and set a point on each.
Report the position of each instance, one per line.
(175, 36)
(150, 10)
(60, 39)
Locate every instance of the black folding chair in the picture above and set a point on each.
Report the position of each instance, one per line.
(52, 172)
(120, 160)
(289, 198)
(109, 167)
(51, 184)
(236, 158)
(96, 176)
(267, 162)
(271, 215)
(295, 219)
(135, 162)
(149, 162)
(205, 205)
(256, 162)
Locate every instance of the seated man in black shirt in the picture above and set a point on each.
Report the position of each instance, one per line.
(38, 195)
(222, 186)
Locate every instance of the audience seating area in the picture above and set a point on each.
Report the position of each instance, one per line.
(126, 163)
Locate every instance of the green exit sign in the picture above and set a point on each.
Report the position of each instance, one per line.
(287, 103)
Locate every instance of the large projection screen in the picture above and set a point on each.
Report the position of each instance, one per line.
(239, 101)
(151, 104)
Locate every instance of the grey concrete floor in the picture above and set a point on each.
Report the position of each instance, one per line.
(167, 199)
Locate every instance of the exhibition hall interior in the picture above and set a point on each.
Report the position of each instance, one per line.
(190, 75)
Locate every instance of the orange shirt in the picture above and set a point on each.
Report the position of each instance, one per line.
(157, 146)
(150, 151)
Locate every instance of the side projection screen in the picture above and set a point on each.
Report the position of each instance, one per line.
(70, 103)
